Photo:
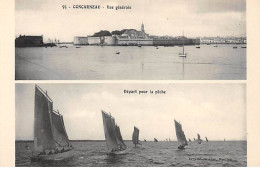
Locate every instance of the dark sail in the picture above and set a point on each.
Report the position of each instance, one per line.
(180, 133)
(206, 139)
(120, 140)
(43, 136)
(155, 140)
(109, 130)
(135, 137)
(199, 140)
(65, 130)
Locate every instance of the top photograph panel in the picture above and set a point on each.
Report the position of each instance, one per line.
(130, 40)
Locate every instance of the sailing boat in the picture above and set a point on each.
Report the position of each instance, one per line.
(189, 140)
(114, 140)
(155, 140)
(206, 139)
(51, 141)
(180, 135)
(199, 140)
(194, 139)
(182, 54)
(135, 137)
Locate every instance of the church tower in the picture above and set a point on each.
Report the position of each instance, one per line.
(142, 27)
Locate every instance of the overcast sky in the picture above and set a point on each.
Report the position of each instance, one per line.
(217, 111)
(160, 17)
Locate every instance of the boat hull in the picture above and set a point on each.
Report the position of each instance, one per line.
(120, 152)
(54, 157)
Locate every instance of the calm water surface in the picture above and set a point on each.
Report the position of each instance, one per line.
(133, 63)
(230, 153)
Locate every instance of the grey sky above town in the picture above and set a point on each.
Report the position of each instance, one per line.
(161, 17)
(217, 111)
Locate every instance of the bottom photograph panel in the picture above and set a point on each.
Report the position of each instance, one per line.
(130, 125)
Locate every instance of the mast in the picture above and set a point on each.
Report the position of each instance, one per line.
(183, 43)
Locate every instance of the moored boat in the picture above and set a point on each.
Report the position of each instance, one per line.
(183, 54)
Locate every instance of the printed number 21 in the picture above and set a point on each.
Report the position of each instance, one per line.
(64, 7)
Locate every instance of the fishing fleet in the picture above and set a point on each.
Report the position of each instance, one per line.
(51, 141)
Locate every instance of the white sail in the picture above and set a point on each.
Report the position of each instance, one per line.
(180, 133)
(109, 130)
(135, 137)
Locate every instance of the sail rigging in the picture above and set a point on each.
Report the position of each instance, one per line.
(135, 136)
(49, 129)
(112, 132)
(180, 134)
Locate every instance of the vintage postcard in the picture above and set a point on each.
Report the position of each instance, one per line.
(129, 83)
(130, 40)
(130, 125)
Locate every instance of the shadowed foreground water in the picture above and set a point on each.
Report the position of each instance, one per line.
(133, 63)
(230, 153)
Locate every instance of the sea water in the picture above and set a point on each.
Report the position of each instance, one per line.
(133, 63)
(149, 154)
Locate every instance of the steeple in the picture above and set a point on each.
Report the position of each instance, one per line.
(142, 27)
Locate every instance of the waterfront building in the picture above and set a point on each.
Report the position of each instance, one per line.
(29, 41)
(80, 41)
(94, 40)
(172, 41)
(134, 37)
(108, 40)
